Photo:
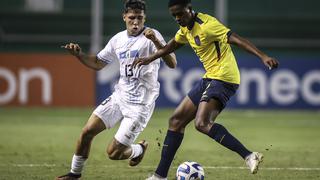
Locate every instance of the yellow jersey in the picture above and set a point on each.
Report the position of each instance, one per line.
(209, 39)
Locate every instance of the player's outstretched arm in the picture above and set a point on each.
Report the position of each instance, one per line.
(169, 59)
(167, 49)
(245, 44)
(90, 61)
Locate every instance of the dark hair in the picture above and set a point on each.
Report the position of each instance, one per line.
(180, 2)
(134, 4)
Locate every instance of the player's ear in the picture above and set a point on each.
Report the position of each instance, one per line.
(124, 17)
(189, 8)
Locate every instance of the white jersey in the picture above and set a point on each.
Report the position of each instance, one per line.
(135, 85)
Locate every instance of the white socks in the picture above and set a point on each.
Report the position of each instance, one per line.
(78, 161)
(77, 164)
(136, 150)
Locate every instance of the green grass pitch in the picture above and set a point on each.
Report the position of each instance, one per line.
(38, 143)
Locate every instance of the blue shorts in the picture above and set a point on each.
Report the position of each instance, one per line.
(207, 89)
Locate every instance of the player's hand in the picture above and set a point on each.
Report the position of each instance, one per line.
(270, 62)
(140, 61)
(149, 33)
(73, 49)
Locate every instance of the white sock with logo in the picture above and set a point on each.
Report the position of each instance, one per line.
(136, 150)
(77, 164)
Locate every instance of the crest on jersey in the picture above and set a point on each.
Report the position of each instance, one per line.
(197, 40)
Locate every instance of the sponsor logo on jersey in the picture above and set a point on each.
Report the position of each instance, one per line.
(129, 54)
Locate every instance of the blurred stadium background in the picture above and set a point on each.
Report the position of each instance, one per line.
(46, 95)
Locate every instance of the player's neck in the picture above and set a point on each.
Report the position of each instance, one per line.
(192, 21)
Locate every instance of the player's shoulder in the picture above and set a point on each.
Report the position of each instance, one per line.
(120, 35)
(205, 18)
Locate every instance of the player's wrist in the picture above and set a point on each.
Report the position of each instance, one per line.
(81, 56)
(156, 41)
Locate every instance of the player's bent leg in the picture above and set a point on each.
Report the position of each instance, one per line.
(134, 152)
(135, 119)
(183, 114)
(93, 127)
(118, 151)
(207, 113)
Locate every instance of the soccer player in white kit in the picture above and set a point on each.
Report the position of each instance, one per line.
(132, 103)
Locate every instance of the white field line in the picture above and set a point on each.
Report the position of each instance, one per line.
(152, 167)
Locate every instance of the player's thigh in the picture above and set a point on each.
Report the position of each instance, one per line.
(214, 99)
(93, 126)
(187, 109)
(208, 111)
(109, 112)
(135, 120)
(183, 114)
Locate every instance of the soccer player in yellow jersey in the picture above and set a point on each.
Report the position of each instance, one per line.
(211, 42)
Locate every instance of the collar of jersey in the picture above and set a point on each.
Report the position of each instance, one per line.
(193, 20)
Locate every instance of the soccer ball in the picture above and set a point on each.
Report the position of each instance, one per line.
(190, 171)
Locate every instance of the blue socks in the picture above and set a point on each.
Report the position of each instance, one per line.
(223, 137)
(169, 149)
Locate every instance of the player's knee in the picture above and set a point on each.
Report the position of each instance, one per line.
(200, 125)
(87, 133)
(175, 123)
(114, 154)
(111, 153)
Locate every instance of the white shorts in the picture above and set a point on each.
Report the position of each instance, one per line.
(134, 118)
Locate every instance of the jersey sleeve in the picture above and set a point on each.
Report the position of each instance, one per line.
(107, 54)
(216, 31)
(180, 37)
